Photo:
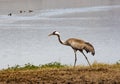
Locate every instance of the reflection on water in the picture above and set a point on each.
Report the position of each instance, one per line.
(24, 38)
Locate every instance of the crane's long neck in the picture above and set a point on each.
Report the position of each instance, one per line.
(60, 40)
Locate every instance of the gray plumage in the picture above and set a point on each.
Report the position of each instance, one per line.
(77, 45)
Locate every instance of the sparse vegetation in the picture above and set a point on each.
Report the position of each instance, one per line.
(53, 65)
(25, 67)
(56, 73)
(31, 66)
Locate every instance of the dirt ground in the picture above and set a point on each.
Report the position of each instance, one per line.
(61, 76)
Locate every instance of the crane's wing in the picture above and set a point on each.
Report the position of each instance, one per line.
(78, 44)
(89, 48)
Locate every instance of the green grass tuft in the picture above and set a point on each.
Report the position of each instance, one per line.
(26, 66)
(53, 65)
(30, 66)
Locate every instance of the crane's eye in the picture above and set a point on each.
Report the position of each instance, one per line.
(54, 32)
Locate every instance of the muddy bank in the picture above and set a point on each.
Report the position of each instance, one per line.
(61, 76)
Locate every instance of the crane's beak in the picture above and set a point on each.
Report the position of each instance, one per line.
(50, 34)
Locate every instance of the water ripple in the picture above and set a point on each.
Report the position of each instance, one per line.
(54, 12)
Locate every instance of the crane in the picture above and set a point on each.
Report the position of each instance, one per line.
(76, 45)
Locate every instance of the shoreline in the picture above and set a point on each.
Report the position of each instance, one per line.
(99, 74)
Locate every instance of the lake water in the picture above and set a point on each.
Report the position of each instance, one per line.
(24, 36)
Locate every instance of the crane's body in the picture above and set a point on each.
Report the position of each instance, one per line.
(76, 44)
(81, 45)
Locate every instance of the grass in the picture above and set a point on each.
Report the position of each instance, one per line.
(104, 65)
(30, 66)
(57, 73)
(25, 67)
(53, 65)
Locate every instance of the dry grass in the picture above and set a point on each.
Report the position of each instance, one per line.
(99, 74)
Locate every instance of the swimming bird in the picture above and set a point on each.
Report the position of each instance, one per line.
(10, 14)
(76, 45)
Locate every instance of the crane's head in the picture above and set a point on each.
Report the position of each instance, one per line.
(54, 33)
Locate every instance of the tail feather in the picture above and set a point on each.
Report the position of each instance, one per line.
(89, 48)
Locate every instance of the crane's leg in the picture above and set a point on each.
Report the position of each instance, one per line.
(86, 59)
(75, 58)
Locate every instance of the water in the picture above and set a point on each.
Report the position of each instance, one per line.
(24, 37)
